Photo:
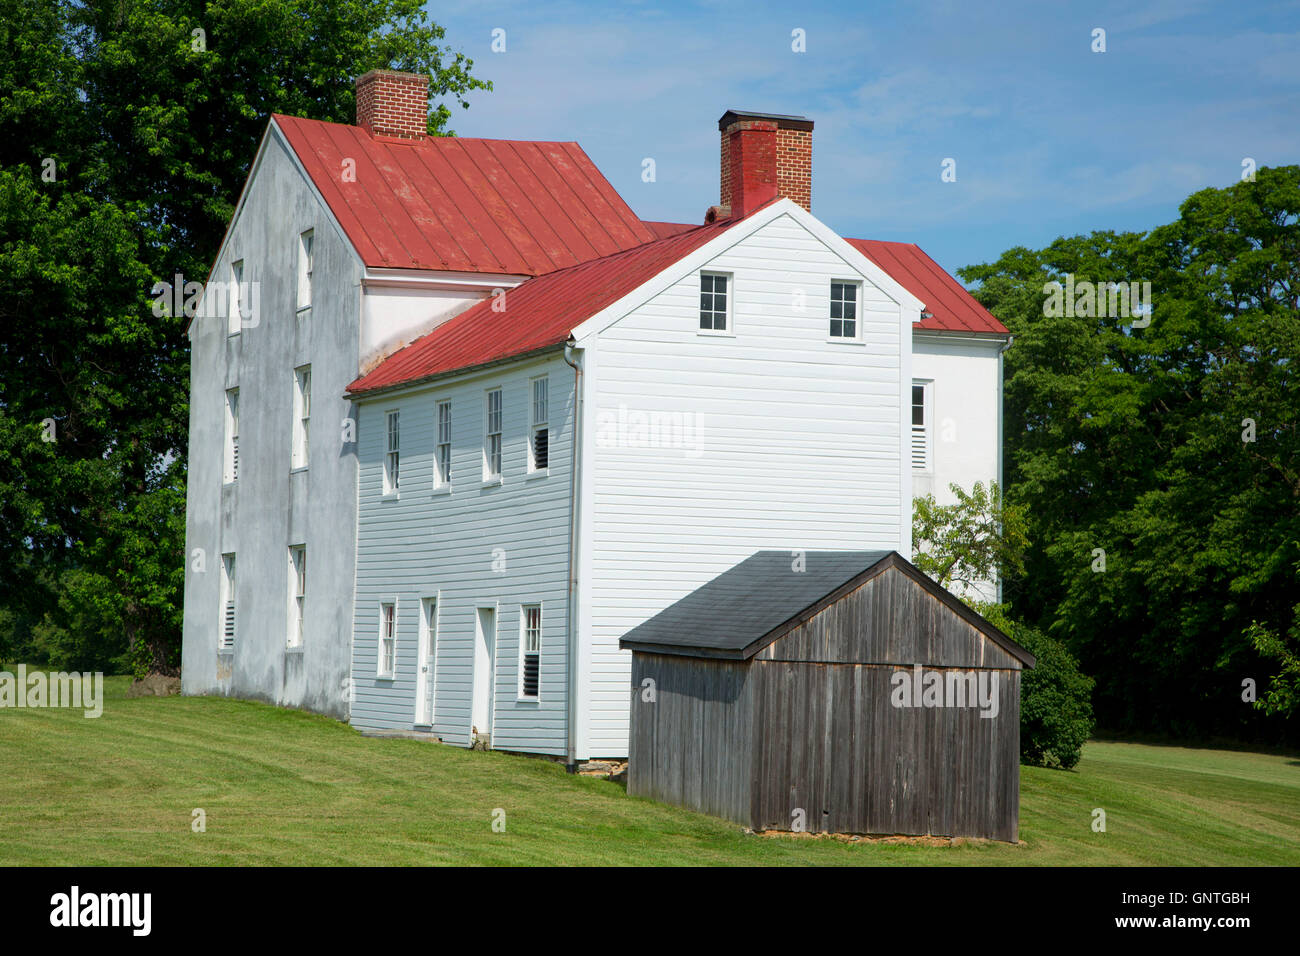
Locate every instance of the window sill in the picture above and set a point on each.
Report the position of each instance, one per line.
(717, 333)
(441, 491)
(389, 678)
(302, 309)
(841, 340)
(391, 496)
(294, 471)
(225, 651)
(527, 700)
(293, 650)
(496, 482)
(537, 473)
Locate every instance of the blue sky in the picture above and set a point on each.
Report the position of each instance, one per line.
(1049, 137)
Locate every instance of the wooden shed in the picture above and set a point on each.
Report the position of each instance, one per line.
(840, 692)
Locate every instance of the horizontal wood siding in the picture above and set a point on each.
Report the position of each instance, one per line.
(692, 744)
(429, 544)
(786, 440)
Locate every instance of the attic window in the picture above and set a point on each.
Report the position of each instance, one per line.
(234, 315)
(844, 310)
(305, 245)
(713, 302)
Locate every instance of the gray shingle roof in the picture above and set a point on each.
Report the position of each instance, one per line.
(739, 606)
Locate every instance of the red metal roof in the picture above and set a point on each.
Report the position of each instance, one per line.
(663, 230)
(539, 313)
(951, 307)
(465, 205)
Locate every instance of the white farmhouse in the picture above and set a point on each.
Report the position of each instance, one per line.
(484, 420)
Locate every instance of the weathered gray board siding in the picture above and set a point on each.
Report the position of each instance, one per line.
(889, 620)
(807, 725)
(272, 506)
(693, 745)
(830, 743)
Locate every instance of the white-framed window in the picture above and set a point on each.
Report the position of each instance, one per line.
(492, 436)
(539, 445)
(297, 593)
(387, 639)
(921, 444)
(715, 302)
(442, 451)
(530, 651)
(234, 305)
(844, 309)
(232, 435)
(393, 452)
(226, 634)
(305, 243)
(301, 416)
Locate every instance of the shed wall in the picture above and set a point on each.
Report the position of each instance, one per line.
(830, 743)
(692, 745)
(889, 619)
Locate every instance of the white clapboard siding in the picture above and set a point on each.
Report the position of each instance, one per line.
(425, 543)
(793, 441)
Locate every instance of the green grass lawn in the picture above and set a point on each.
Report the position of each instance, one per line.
(286, 787)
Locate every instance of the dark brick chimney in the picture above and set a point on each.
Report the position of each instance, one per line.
(393, 104)
(790, 169)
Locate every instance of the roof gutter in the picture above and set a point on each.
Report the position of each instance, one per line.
(571, 753)
(369, 393)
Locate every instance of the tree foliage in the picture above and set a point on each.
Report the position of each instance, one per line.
(1161, 464)
(1055, 696)
(975, 539)
(126, 132)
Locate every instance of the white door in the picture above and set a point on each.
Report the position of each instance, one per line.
(424, 688)
(484, 671)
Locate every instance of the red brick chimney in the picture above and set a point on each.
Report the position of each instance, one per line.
(394, 104)
(791, 149)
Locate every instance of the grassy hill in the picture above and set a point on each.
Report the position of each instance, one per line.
(285, 787)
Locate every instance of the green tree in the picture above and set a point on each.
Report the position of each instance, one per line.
(1161, 461)
(977, 538)
(126, 132)
(1055, 696)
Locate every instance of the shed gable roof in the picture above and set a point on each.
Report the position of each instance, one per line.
(746, 608)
